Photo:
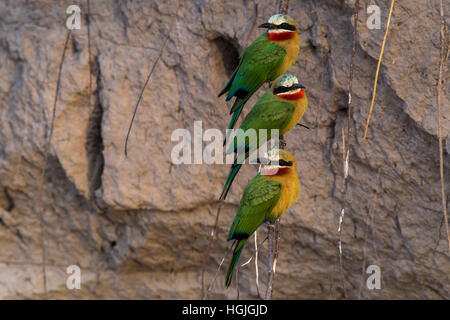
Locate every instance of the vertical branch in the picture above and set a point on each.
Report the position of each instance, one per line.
(58, 85)
(256, 263)
(213, 231)
(269, 259)
(142, 92)
(341, 266)
(145, 85)
(346, 146)
(88, 23)
(253, 25)
(273, 265)
(217, 271)
(273, 235)
(369, 217)
(44, 167)
(378, 69)
(208, 248)
(237, 282)
(444, 55)
(283, 6)
(237, 274)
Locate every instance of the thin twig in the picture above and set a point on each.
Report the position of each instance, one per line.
(346, 146)
(58, 85)
(256, 264)
(142, 92)
(220, 265)
(378, 69)
(237, 283)
(283, 6)
(350, 95)
(444, 55)
(145, 85)
(88, 23)
(44, 167)
(237, 274)
(369, 216)
(213, 231)
(347, 142)
(91, 108)
(275, 250)
(255, 255)
(271, 234)
(375, 250)
(343, 158)
(212, 236)
(351, 72)
(218, 269)
(255, 18)
(269, 255)
(341, 266)
(247, 262)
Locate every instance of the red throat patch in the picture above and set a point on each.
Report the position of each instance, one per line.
(279, 36)
(292, 96)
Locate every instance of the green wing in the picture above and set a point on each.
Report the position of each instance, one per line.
(259, 64)
(268, 113)
(260, 197)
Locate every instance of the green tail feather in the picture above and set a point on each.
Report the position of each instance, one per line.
(234, 259)
(236, 115)
(233, 123)
(236, 111)
(229, 83)
(227, 87)
(233, 172)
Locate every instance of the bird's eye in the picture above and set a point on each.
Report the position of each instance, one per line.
(281, 89)
(287, 26)
(285, 163)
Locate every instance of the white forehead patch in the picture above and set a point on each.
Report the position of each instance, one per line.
(273, 155)
(278, 19)
(288, 80)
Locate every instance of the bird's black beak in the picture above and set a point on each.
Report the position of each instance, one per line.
(298, 85)
(265, 25)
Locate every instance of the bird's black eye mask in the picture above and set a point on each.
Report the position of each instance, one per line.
(280, 162)
(284, 163)
(284, 26)
(283, 89)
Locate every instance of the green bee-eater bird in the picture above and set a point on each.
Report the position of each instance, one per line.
(267, 196)
(267, 58)
(280, 107)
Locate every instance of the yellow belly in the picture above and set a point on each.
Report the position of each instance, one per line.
(289, 194)
(300, 108)
(292, 47)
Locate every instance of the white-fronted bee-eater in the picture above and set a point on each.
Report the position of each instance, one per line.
(280, 107)
(267, 58)
(266, 197)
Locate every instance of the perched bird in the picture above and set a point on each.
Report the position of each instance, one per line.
(267, 58)
(267, 196)
(280, 107)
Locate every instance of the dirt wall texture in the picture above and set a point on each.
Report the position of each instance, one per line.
(138, 226)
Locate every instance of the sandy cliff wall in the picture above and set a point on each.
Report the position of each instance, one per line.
(138, 226)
